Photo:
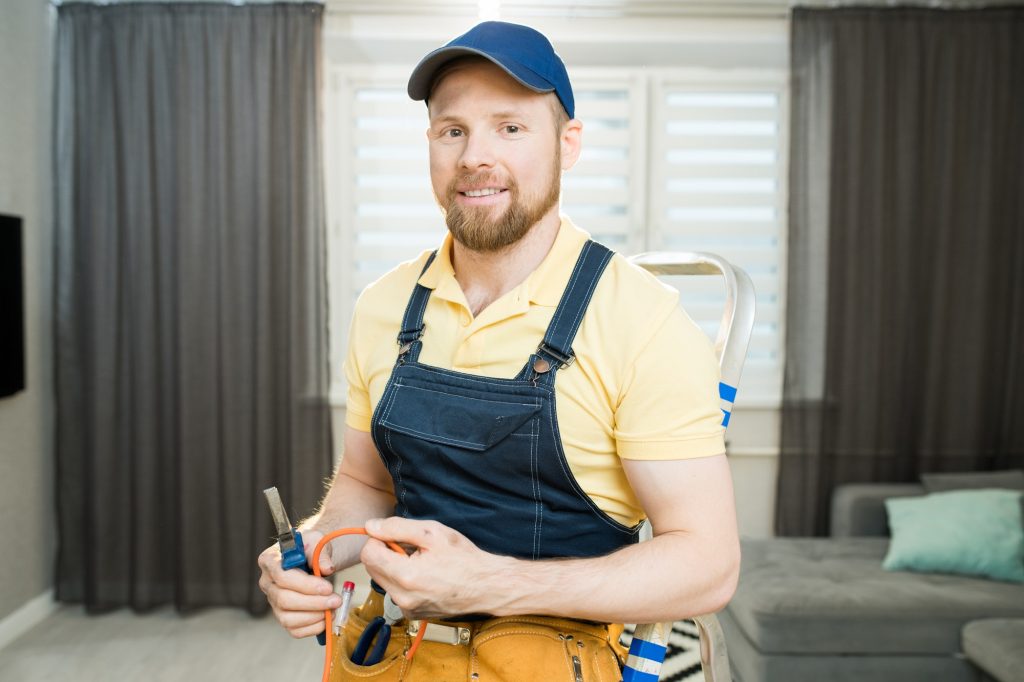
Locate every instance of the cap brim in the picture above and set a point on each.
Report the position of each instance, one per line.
(422, 77)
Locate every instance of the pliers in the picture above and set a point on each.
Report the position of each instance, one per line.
(293, 552)
(374, 641)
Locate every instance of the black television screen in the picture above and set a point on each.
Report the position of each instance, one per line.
(12, 311)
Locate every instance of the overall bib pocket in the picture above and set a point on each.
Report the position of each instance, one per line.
(462, 421)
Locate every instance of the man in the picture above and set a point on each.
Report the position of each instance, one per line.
(543, 397)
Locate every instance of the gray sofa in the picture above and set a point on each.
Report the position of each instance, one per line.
(996, 646)
(824, 609)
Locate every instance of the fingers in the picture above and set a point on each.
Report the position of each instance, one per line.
(309, 630)
(377, 556)
(381, 560)
(297, 598)
(301, 623)
(294, 579)
(290, 600)
(419, 534)
(310, 539)
(434, 581)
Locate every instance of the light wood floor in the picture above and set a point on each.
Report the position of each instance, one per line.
(211, 646)
(218, 644)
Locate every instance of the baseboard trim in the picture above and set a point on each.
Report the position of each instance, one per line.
(19, 622)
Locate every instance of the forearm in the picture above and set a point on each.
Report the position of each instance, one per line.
(673, 576)
(361, 490)
(348, 503)
(689, 568)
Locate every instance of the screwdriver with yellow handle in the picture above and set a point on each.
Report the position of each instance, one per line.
(289, 540)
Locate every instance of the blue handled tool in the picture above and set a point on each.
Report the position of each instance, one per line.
(373, 643)
(293, 552)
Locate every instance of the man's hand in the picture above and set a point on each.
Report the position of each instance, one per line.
(361, 489)
(442, 575)
(298, 598)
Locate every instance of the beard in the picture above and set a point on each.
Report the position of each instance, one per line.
(478, 230)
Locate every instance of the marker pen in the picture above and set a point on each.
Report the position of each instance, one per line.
(341, 614)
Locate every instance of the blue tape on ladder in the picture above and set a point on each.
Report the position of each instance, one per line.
(726, 392)
(649, 650)
(643, 664)
(631, 675)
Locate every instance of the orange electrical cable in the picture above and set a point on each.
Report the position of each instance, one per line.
(328, 615)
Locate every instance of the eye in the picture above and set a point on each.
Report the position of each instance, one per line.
(453, 132)
(511, 129)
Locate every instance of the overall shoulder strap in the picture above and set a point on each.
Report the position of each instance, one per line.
(412, 321)
(556, 348)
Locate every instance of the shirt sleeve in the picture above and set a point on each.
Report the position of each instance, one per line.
(358, 412)
(669, 406)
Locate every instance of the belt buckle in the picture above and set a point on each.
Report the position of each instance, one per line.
(444, 634)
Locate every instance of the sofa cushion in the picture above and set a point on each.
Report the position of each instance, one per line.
(747, 664)
(821, 595)
(974, 532)
(996, 645)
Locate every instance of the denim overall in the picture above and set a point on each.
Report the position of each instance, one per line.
(483, 455)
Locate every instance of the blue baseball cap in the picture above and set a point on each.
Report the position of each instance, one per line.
(524, 53)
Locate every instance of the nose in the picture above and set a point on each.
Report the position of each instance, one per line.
(477, 153)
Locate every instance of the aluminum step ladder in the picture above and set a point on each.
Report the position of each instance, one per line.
(731, 349)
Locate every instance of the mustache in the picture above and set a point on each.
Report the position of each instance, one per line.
(483, 179)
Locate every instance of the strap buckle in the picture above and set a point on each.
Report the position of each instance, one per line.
(563, 360)
(404, 346)
(436, 632)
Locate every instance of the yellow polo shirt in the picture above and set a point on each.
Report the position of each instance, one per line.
(644, 384)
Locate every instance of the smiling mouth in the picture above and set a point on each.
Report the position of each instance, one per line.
(482, 192)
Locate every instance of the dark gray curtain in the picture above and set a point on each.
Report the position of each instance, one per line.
(190, 302)
(905, 308)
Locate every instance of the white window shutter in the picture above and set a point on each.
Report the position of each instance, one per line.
(380, 204)
(718, 151)
(604, 192)
(672, 161)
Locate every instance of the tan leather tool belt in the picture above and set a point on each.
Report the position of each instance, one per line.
(508, 649)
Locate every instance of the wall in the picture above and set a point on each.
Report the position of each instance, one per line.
(27, 531)
(752, 442)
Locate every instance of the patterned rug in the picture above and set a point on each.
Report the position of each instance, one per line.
(682, 662)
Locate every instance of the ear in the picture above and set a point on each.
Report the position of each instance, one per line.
(571, 141)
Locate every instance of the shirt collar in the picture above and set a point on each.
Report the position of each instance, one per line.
(546, 284)
(440, 276)
(543, 286)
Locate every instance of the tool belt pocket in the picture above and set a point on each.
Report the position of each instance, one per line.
(392, 666)
(433, 662)
(540, 648)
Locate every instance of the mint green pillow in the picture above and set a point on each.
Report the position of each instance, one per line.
(973, 532)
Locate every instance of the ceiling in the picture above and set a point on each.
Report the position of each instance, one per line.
(623, 8)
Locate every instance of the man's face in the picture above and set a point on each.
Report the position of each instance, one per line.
(495, 155)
